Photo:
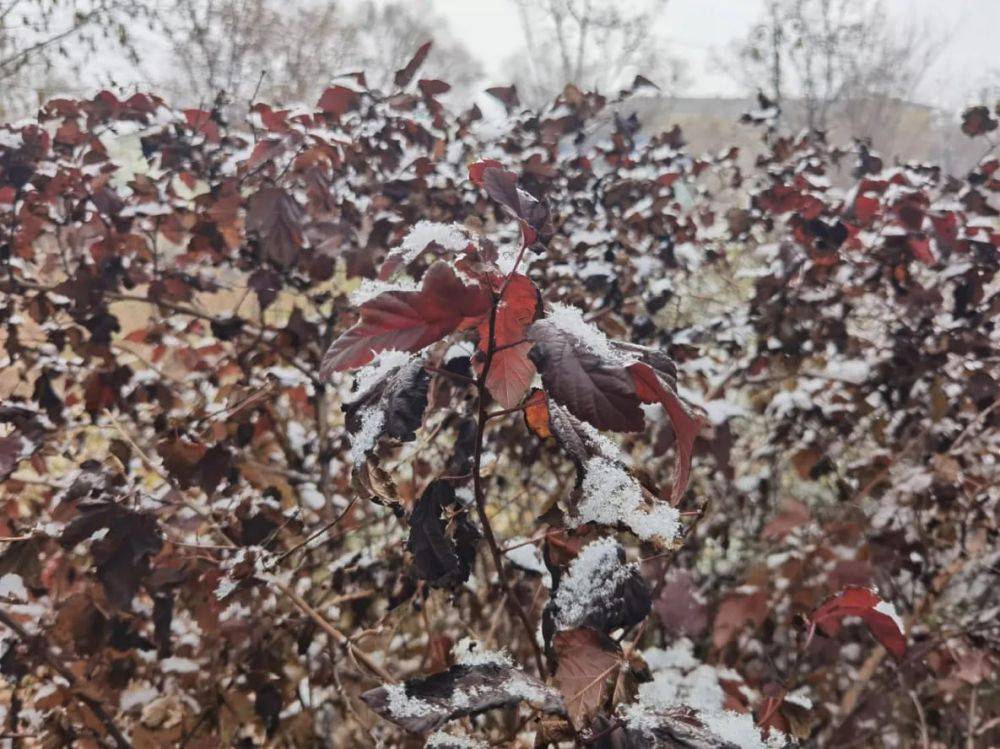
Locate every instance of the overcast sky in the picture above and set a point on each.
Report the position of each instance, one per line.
(693, 29)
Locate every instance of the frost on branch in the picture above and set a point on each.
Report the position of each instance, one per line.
(426, 703)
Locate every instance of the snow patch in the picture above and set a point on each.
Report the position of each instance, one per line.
(593, 576)
(570, 320)
(470, 652)
(612, 496)
(372, 420)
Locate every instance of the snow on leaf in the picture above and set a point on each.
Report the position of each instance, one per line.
(611, 496)
(409, 320)
(600, 590)
(682, 684)
(390, 400)
(865, 603)
(469, 652)
(451, 238)
(426, 703)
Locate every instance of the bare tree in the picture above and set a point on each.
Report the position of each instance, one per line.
(591, 44)
(838, 59)
(289, 50)
(388, 35)
(36, 34)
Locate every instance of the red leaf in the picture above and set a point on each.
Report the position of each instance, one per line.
(592, 389)
(276, 218)
(409, 320)
(476, 170)
(511, 371)
(337, 100)
(405, 75)
(735, 611)
(865, 208)
(865, 603)
(651, 389)
(920, 246)
(589, 662)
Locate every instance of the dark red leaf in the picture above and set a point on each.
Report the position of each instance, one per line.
(409, 320)
(276, 218)
(589, 662)
(866, 604)
(506, 95)
(978, 121)
(404, 75)
(337, 100)
(651, 388)
(599, 392)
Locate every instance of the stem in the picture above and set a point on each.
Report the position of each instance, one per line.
(477, 482)
(95, 706)
(339, 637)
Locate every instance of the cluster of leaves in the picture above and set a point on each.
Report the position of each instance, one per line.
(657, 424)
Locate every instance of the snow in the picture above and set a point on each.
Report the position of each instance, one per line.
(371, 288)
(440, 738)
(800, 698)
(680, 681)
(527, 556)
(570, 320)
(372, 420)
(401, 705)
(136, 696)
(376, 371)
(884, 607)
(449, 236)
(593, 576)
(612, 496)
(854, 371)
(470, 652)
(680, 655)
(12, 586)
(178, 665)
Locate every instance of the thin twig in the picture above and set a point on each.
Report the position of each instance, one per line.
(318, 533)
(477, 481)
(339, 637)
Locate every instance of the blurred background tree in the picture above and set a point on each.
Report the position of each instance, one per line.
(594, 45)
(287, 51)
(39, 40)
(834, 60)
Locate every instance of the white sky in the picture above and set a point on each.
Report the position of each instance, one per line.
(694, 29)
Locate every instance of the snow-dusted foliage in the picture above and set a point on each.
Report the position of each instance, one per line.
(374, 423)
